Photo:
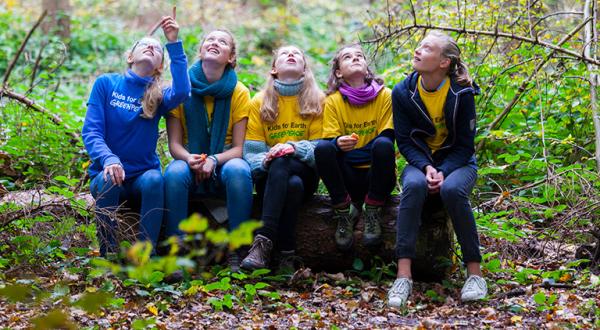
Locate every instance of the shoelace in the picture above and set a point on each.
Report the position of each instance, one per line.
(403, 286)
(261, 246)
(472, 284)
(371, 220)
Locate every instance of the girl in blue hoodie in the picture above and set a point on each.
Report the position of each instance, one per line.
(434, 123)
(120, 133)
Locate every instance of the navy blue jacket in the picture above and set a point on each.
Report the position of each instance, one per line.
(412, 124)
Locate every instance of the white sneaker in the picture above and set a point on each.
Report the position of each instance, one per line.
(475, 288)
(399, 292)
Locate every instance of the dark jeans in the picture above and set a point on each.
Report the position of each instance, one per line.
(455, 193)
(145, 189)
(341, 178)
(288, 182)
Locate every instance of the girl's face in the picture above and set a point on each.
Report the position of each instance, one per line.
(428, 56)
(289, 63)
(217, 47)
(147, 50)
(352, 63)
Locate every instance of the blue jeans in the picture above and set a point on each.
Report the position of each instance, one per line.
(454, 193)
(147, 190)
(235, 185)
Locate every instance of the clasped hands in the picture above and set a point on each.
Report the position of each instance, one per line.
(434, 178)
(276, 151)
(202, 166)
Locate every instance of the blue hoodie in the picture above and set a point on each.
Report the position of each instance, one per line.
(114, 132)
(412, 125)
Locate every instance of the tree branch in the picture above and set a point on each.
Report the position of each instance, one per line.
(13, 62)
(38, 108)
(496, 34)
(526, 82)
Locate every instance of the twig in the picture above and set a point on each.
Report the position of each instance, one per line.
(38, 108)
(13, 62)
(526, 83)
(498, 34)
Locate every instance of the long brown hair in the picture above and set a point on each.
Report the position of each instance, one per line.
(310, 96)
(457, 68)
(153, 95)
(333, 82)
(233, 45)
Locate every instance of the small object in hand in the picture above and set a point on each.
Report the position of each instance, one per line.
(157, 25)
(354, 136)
(288, 149)
(203, 157)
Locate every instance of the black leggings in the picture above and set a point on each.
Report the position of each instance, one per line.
(341, 178)
(289, 182)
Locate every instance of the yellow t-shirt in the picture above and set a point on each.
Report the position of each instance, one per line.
(289, 125)
(434, 102)
(239, 110)
(342, 118)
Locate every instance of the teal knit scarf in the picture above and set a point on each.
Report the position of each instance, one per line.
(205, 137)
(288, 88)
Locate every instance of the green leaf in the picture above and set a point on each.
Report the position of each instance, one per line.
(92, 302)
(539, 298)
(55, 319)
(194, 224)
(358, 264)
(16, 292)
(259, 272)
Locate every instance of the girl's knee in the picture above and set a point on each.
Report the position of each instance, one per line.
(177, 169)
(452, 193)
(325, 148)
(152, 179)
(295, 185)
(236, 169)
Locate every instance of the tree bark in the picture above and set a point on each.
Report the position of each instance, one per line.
(316, 245)
(590, 45)
(60, 21)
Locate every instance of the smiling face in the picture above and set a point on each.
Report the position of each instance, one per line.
(352, 63)
(289, 64)
(218, 47)
(147, 50)
(428, 56)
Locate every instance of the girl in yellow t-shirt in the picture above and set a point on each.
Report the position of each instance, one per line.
(206, 134)
(284, 123)
(357, 160)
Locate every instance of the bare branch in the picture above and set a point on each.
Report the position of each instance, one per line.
(526, 82)
(13, 62)
(38, 108)
(497, 34)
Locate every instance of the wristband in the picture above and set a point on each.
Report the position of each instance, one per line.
(216, 161)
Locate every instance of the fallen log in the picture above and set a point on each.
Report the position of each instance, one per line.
(316, 245)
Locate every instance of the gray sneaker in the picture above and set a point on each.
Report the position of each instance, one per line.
(259, 254)
(372, 232)
(346, 219)
(475, 288)
(398, 294)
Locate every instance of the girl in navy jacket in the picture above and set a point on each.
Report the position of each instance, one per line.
(120, 133)
(434, 123)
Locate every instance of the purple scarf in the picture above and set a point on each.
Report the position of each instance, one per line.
(360, 96)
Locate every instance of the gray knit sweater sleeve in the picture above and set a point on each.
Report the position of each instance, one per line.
(305, 151)
(254, 153)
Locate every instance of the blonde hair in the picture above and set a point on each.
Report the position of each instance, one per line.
(310, 96)
(153, 95)
(333, 82)
(233, 45)
(457, 69)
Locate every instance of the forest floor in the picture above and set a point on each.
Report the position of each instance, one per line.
(527, 288)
